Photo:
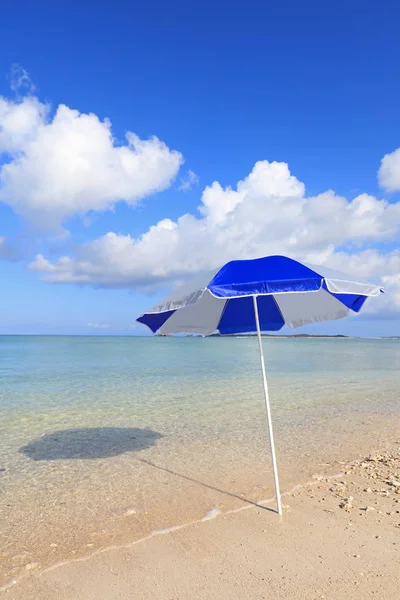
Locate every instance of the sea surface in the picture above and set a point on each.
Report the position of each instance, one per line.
(105, 440)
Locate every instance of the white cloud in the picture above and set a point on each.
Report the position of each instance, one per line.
(98, 325)
(188, 181)
(20, 123)
(69, 163)
(389, 172)
(266, 213)
(20, 81)
(375, 266)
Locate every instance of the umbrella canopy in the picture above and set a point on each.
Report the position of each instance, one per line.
(289, 292)
(257, 295)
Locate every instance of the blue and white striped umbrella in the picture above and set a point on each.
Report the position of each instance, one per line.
(288, 293)
(257, 295)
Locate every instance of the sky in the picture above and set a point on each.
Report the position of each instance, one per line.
(141, 143)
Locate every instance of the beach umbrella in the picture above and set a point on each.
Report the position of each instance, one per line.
(262, 294)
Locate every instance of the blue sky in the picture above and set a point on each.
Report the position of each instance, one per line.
(312, 85)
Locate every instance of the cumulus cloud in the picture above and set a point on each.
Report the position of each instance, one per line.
(98, 325)
(69, 163)
(268, 212)
(188, 181)
(389, 172)
(20, 123)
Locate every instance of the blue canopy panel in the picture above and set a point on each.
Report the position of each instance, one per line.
(267, 275)
(155, 320)
(238, 316)
(353, 301)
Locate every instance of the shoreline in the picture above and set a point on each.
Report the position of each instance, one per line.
(169, 497)
(96, 455)
(311, 488)
(210, 515)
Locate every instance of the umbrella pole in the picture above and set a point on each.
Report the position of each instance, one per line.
(267, 406)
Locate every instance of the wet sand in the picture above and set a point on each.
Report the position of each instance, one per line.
(75, 508)
(339, 538)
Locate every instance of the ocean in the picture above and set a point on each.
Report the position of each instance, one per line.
(105, 440)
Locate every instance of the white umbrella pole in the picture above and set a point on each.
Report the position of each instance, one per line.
(267, 406)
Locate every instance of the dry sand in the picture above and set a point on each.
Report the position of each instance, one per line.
(339, 539)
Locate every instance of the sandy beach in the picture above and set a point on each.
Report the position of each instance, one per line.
(154, 483)
(339, 538)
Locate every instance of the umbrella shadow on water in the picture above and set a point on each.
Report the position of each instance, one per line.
(90, 443)
(104, 442)
(206, 485)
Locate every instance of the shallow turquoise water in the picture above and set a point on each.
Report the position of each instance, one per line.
(97, 428)
(185, 387)
(55, 372)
